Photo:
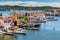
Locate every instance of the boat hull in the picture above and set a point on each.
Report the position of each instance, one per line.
(8, 33)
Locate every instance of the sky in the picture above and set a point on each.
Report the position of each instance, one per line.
(33, 0)
(33, 3)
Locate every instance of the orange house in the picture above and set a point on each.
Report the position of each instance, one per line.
(14, 17)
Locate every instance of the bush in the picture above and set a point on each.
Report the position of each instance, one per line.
(21, 17)
(24, 21)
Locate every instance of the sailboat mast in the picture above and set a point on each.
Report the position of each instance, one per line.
(30, 13)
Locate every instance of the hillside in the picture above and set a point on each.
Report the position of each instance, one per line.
(6, 7)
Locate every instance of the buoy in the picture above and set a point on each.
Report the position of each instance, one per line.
(54, 28)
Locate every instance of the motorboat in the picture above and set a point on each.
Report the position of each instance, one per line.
(1, 32)
(9, 33)
(20, 31)
(32, 28)
(52, 19)
(49, 14)
(42, 21)
(24, 26)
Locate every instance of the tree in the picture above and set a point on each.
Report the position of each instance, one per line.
(0, 14)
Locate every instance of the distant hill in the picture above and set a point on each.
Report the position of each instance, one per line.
(6, 7)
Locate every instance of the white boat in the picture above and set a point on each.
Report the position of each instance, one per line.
(9, 33)
(20, 31)
(1, 32)
(42, 21)
(52, 18)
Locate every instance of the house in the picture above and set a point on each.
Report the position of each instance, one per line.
(1, 21)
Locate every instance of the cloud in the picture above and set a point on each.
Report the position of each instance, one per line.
(29, 3)
(10, 3)
(41, 4)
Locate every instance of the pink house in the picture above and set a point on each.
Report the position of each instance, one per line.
(1, 22)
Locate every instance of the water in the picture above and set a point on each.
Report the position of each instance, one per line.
(4, 13)
(45, 32)
(52, 24)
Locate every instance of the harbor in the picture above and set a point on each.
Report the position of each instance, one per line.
(29, 25)
(45, 32)
(29, 19)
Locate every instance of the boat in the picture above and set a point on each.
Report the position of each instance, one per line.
(32, 28)
(24, 26)
(42, 21)
(9, 33)
(52, 19)
(7, 28)
(49, 14)
(1, 32)
(54, 28)
(20, 31)
(36, 24)
(33, 24)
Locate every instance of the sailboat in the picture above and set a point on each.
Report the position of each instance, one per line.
(6, 27)
(31, 24)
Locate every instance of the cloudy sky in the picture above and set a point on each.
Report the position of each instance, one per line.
(53, 3)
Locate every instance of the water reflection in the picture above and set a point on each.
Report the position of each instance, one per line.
(1, 37)
(6, 37)
(20, 37)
